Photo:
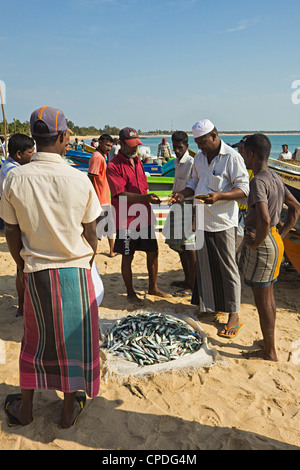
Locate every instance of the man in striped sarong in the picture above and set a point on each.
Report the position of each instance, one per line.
(50, 211)
(262, 249)
(219, 179)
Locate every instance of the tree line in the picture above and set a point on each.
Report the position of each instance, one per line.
(17, 126)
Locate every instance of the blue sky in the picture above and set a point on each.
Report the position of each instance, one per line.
(153, 64)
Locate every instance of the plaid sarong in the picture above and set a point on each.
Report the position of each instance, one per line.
(60, 347)
(261, 267)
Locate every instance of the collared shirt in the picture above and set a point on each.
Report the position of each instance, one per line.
(97, 167)
(123, 177)
(164, 150)
(50, 201)
(7, 165)
(226, 171)
(285, 156)
(183, 172)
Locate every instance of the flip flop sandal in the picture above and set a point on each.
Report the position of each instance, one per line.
(182, 293)
(12, 421)
(236, 332)
(81, 399)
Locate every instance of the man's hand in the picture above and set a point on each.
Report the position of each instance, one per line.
(250, 240)
(153, 198)
(176, 198)
(211, 198)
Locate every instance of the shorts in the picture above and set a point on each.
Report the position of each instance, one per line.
(127, 242)
(260, 267)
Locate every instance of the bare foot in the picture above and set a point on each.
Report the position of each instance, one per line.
(134, 299)
(159, 293)
(260, 355)
(233, 322)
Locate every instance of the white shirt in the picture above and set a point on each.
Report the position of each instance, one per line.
(183, 172)
(50, 201)
(285, 156)
(227, 171)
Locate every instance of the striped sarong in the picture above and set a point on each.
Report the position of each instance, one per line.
(260, 267)
(60, 346)
(217, 286)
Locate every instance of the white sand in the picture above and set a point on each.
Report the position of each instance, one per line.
(248, 405)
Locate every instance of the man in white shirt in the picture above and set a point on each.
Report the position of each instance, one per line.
(285, 154)
(219, 179)
(182, 243)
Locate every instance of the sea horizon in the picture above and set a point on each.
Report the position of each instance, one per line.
(277, 140)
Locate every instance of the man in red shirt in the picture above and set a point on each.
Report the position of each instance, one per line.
(134, 217)
(97, 175)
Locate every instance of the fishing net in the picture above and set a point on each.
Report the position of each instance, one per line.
(146, 342)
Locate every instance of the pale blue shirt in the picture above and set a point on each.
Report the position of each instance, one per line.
(7, 165)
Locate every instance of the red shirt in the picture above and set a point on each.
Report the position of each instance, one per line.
(123, 177)
(97, 167)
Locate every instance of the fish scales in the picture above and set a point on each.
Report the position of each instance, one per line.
(149, 339)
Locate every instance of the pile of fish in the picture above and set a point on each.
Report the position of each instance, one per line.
(151, 338)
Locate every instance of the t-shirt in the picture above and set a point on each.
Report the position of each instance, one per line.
(183, 172)
(285, 156)
(123, 177)
(97, 167)
(267, 187)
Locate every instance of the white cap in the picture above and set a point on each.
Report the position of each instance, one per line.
(202, 128)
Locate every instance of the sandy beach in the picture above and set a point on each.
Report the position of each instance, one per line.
(236, 404)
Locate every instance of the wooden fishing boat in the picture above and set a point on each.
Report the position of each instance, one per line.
(290, 173)
(292, 249)
(78, 157)
(160, 183)
(284, 166)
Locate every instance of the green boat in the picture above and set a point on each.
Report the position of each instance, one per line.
(160, 183)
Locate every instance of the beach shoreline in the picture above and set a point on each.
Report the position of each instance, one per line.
(144, 136)
(238, 405)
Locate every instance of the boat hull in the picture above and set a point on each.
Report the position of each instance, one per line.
(292, 249)
(290, 175)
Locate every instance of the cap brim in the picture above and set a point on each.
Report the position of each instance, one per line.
(239, 144)
(133, 142)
